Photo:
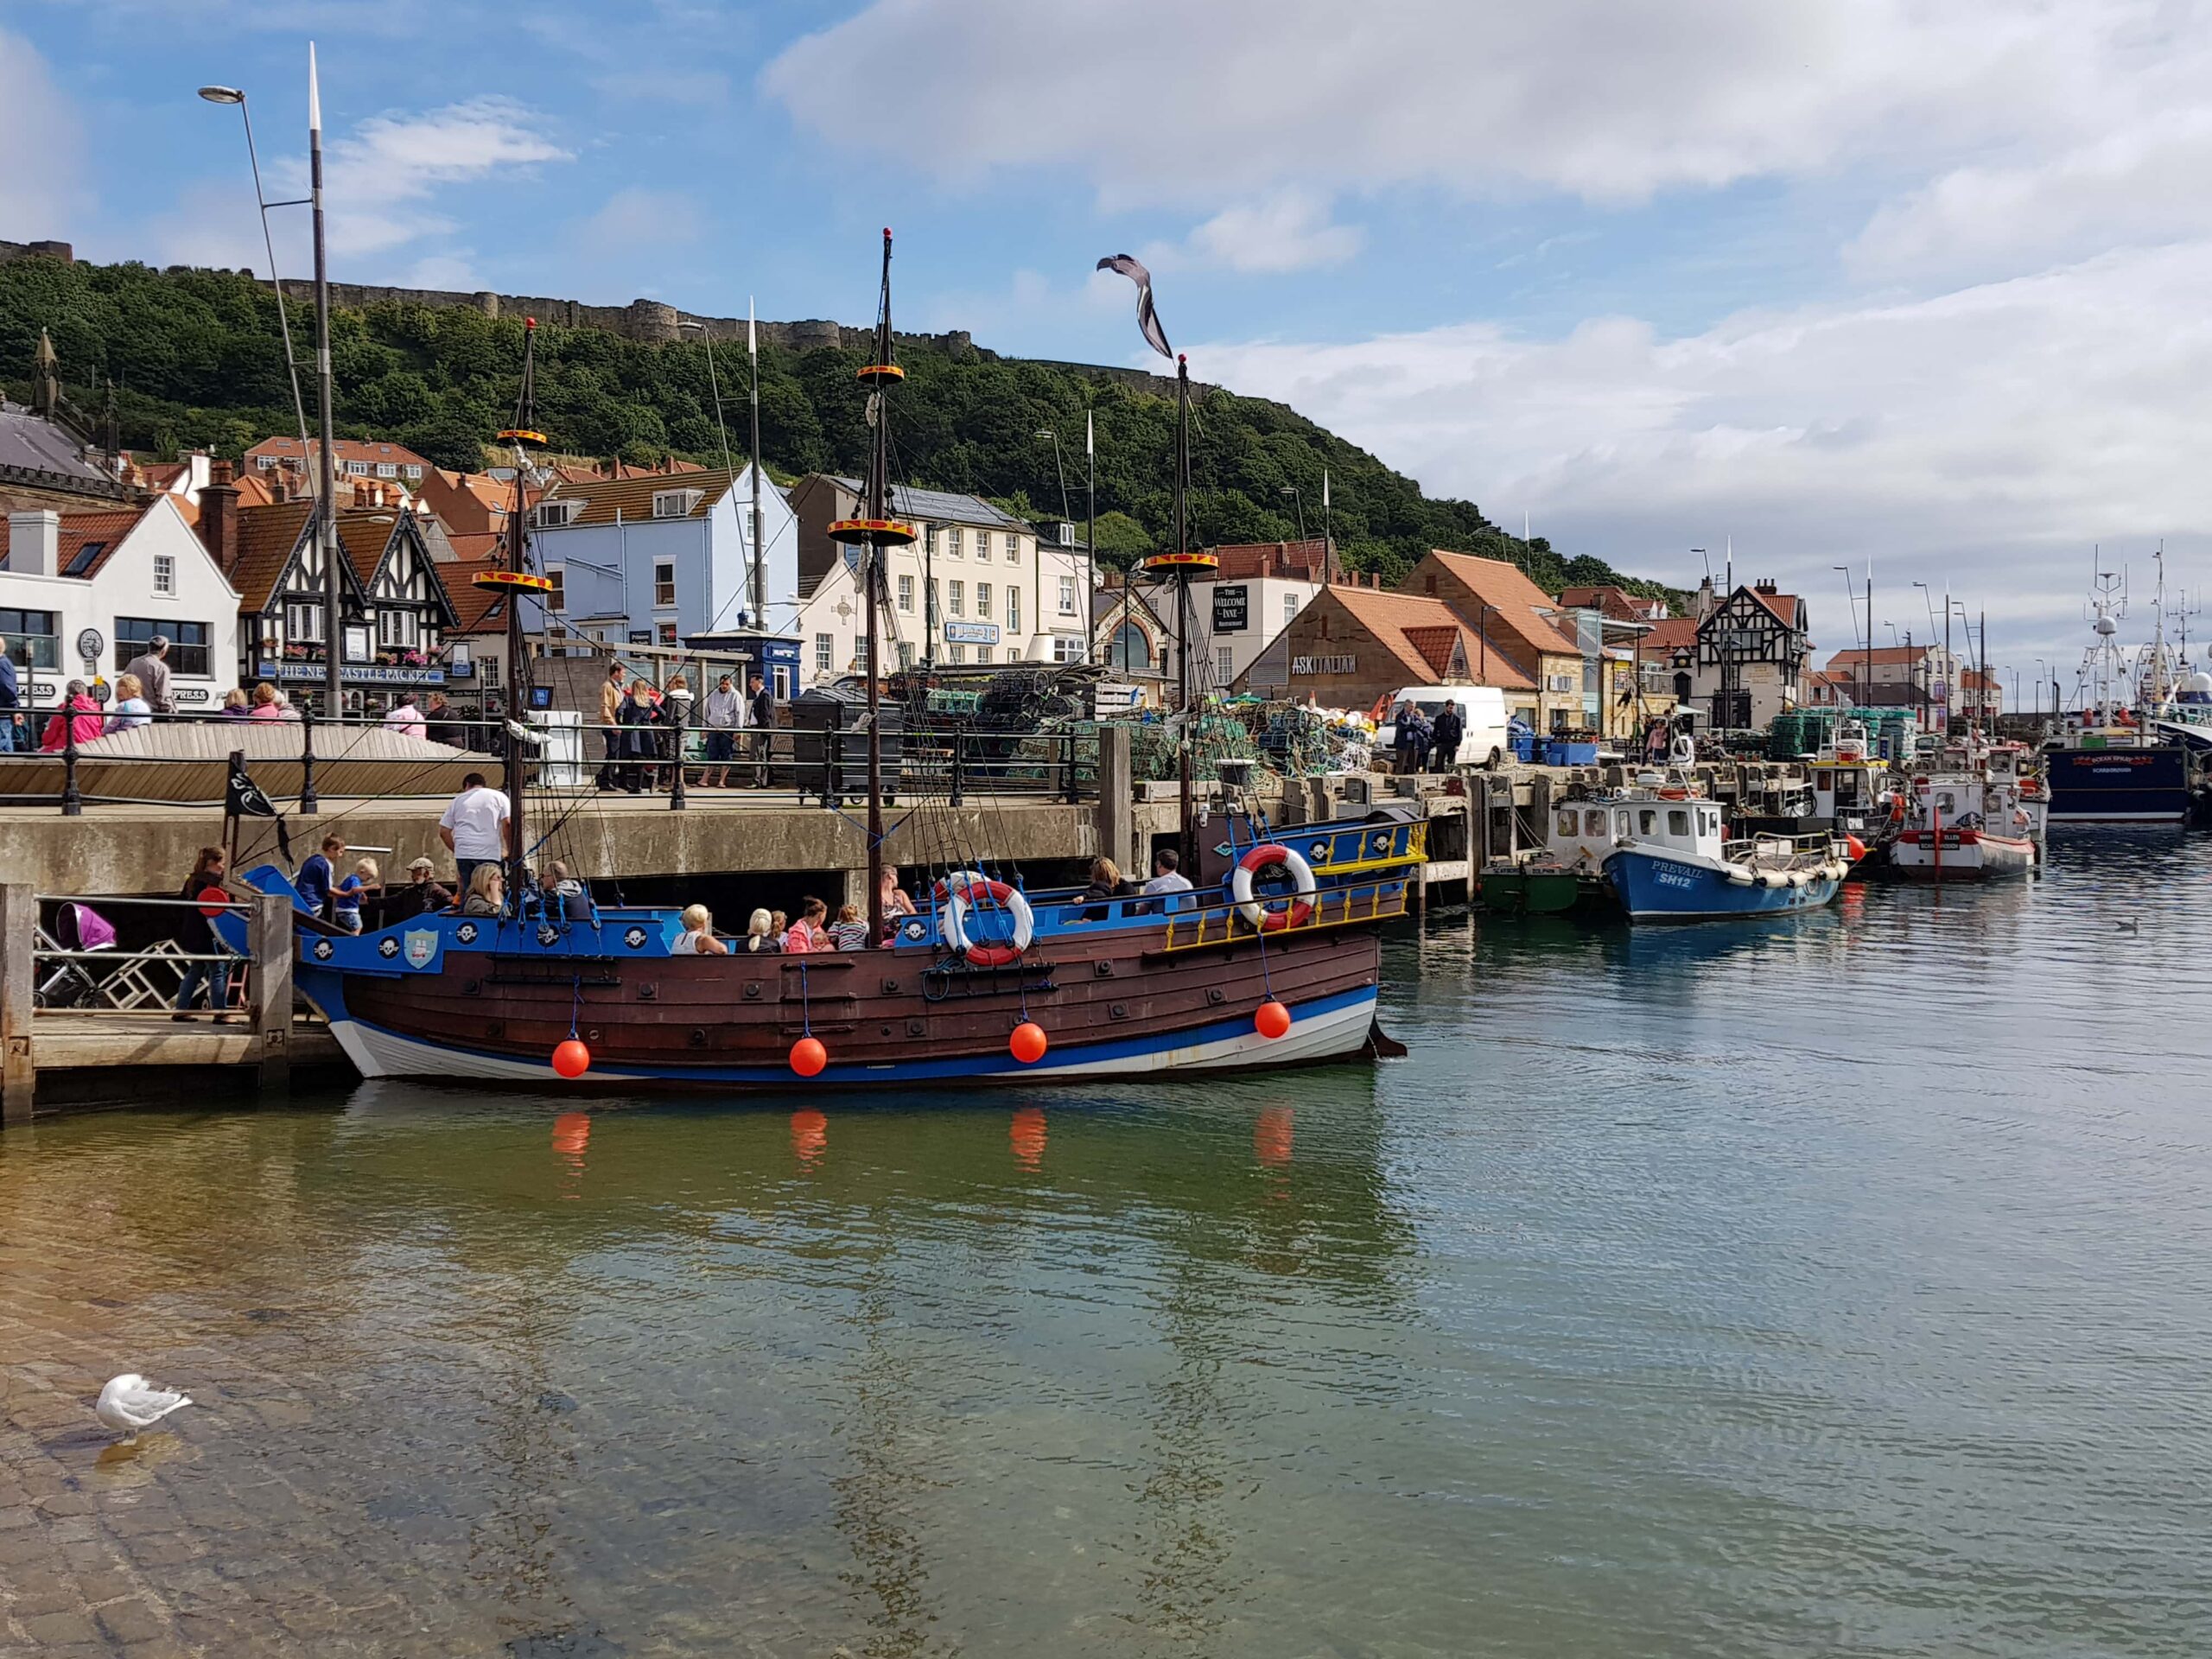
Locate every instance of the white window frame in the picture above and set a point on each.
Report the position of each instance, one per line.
(165, 575)
(265, 463)
(825, 652)
(557, 515)
(1289, 609)
(674, 504)
(409, 470)
(955, 598)
(1067, 595)
(663, 584)
(1013, 611)
(983, 601)
(1013, 549)
(1224, 663)
(387, 469)
(983, 546)
(1067, 648)
(982, 653)
(557, 598)
(906, 595)
(952, 541)
(356, 469)
(303, 622)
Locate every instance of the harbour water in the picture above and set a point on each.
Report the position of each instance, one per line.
(1836, 1284)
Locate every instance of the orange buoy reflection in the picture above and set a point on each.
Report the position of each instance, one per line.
(809, 1136)
(571, 1136)
(1026, 1133)
(1271, 1137)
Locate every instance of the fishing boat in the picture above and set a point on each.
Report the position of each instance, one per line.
(1670, 862)
(2108, 764)
(1538, 885)
(1274, 957)
(1973, 815)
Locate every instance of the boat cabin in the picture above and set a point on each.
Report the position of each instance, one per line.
(1585, 833)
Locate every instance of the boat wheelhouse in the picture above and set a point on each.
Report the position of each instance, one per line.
(1975, 813)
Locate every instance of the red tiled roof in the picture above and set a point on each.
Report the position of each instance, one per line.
(1881, 655)
(1247, 561)
(632, 496)
(107, 530)
(480, 610)
(341, 449)
(1517, 604)
(1420, 632)
(1675, 633)
(1784, 606)
(266, 538)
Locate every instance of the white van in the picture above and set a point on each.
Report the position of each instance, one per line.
(1481, 707)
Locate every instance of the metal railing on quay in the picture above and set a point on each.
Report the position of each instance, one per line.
(949, 760)
(90, 955)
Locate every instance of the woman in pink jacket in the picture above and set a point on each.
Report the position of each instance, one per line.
(84, 720)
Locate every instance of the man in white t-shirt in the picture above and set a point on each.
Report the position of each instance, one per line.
(475, 826)
(1168, 878)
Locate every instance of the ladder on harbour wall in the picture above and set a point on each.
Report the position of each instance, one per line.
(127, 1023)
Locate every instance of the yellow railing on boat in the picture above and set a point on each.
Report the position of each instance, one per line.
(1220, 922)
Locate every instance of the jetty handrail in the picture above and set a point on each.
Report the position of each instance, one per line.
(239, 905)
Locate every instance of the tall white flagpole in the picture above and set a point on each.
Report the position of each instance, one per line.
(760, 584)
(326, 508)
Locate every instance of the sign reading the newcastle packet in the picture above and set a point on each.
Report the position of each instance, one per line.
(353, 673)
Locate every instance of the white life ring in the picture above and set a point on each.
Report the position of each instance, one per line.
(960, 891)
(1242, 889)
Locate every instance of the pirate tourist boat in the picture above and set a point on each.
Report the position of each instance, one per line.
(1271, 957)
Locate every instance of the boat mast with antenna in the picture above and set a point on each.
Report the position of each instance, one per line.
(1180, 565)
(513, 582)
(876, 530)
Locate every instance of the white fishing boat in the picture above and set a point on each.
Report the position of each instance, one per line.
(1975, 812)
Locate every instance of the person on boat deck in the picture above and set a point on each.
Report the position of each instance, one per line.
(79, 718)
(1168, 877)
(1107, 881)
(487, 891)
(610, 725)
(806, 935)
(195, 937)
(132, 709)
(421, 896)
(572, 897)
(897, 901)
(476, 827)
(780, 924)
(698, 938)
(724, 713)
(319, 874)
(235, 706)
(346, 895)
(850, 930)
(760, 938)
(406, 718)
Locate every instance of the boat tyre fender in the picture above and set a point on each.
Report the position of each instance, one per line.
(962, 891)
(1799, 878)
(1242, 890)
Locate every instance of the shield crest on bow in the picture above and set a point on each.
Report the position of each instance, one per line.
(420, 946)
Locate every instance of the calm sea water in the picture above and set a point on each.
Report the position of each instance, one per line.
(1842, 1285)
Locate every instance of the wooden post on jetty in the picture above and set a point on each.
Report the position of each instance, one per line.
(269, 932)
(18, 1067)
(1116, 810)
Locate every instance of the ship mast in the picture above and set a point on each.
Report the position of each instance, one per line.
(1179, 565)
(513, 582)
(876, 530)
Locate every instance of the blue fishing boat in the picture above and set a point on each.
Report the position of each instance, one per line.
(1671, 862)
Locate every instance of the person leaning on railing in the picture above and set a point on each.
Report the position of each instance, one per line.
(78, 719)
(195, 937)
(11, 701)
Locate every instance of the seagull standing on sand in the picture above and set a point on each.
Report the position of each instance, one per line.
(130, 1403)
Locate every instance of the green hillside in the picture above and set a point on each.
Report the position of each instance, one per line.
(196, 363)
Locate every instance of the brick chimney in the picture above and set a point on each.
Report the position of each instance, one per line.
(35, 543)
(218, 516)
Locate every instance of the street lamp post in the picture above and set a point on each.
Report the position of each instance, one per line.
(1297, 499)
(1037, 594)
(234, 95)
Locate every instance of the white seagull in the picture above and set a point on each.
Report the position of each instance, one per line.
(130, 1403)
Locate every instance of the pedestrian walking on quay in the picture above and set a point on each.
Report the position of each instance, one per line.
(195, 935)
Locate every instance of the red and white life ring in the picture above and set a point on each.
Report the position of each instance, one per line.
(962, 892)
(1242, 889)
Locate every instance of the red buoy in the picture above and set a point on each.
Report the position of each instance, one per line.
(1855, 846)
(808, 1057)
(1027, 1044)
(571, 1059)
(214, 901)
(1272, 1020)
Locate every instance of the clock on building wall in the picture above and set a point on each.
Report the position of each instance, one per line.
(90, 644)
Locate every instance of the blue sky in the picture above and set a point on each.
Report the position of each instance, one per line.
(1918, 282)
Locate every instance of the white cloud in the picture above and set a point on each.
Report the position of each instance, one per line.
(1990, 435)
(1287, 229)
(1611, 100)
(385, 175)
(41, 145)
(664, 85)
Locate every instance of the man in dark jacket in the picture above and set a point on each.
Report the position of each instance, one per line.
(763, 725)
(1444, 734)
(439, 724)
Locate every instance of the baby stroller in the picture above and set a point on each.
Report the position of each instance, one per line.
(73, 982)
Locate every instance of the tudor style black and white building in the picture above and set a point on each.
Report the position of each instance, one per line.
(397, 609)
(1752, 647)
